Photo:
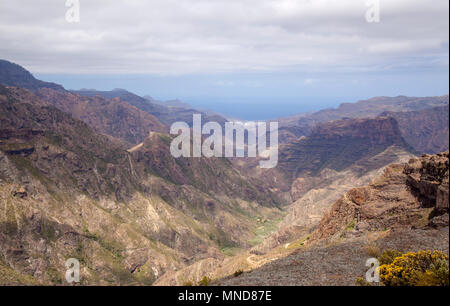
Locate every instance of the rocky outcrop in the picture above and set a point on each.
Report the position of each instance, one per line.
(292, 128)
(406, 196)
(404, 209)
(427, 130)
(307, 211)
(428, 178)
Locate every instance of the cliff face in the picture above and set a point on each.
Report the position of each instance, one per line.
(427, 131)
(428, 179)
(215, 176)
(70, 186)
(407, 195)
(292, 128)
(339, 144)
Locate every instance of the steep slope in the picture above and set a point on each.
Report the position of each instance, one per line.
(67, 191)
(332, 147)
(30, 125)
(291, 128)
(112, 117)
(165, 114)
(405, 196)
(369, 146)
(339, 144)
(14, 75)
(337, 156)
(315, 195)
(109, 116)
(405, 209)
(154, 154)
(427, 130)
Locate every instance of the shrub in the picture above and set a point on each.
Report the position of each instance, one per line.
(424, 268)
(362, 282)
(238, 272)
(205, 281)
(388, 257)
(351, 225)
(372, 250)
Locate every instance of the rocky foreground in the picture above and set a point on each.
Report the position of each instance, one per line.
(405, 209)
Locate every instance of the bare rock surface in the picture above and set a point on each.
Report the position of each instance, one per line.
(402, 209)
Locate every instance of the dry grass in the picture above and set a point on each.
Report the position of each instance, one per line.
(372, 250)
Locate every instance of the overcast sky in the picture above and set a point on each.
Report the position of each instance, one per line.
(206, 49)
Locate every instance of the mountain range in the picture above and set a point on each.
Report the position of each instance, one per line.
(88, 174)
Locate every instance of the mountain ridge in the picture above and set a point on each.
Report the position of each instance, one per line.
(12, 74)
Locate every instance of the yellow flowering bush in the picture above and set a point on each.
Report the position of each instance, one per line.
(424, 268)
(388, 257)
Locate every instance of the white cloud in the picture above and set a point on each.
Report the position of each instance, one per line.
(310, 81)
(209, 36)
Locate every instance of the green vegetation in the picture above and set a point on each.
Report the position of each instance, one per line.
(54, 276)
(265, 228)
(205, 281)
(144, 275)
(230, 251)
(362, 282)
(424, 268)
(9, 276)
(167, 139)
(351, 225)
(388, 256)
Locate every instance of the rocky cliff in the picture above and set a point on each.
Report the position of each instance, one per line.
(407, 195)
(339, 144)
(427, 130)
(291, 128)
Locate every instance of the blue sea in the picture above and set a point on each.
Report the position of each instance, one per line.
(261, 108)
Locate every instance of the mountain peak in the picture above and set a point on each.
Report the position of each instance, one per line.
(12, 74)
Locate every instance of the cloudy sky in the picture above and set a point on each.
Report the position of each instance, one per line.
(298, 54)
